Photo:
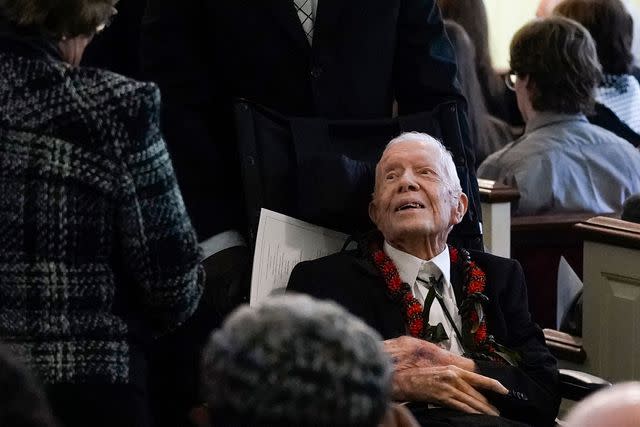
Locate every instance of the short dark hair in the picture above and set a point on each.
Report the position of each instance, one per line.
(22, 400)
(58, 18)
(611, 27)
(296, 361)
(559, 56)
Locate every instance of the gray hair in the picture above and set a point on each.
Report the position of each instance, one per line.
(452, 181)
(297, 361)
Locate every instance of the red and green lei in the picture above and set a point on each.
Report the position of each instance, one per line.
(476, 342)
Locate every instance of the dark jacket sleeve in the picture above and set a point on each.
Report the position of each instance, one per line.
(425, 64)
(425, 76)
(533, 384)
(177, 54)
(159, 247)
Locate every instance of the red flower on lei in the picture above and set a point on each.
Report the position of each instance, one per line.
(477, 343)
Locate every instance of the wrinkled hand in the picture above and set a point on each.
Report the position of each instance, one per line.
(447, 386)
(408, 352)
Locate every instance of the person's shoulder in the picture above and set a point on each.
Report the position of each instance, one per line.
(494, 262)
(109, 85)
(513, 158)
(330, 263)
(333, 276)
(595, 134)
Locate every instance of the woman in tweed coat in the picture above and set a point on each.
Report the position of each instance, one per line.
(97, 253)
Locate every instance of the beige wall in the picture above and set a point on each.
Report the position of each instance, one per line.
(506, 16)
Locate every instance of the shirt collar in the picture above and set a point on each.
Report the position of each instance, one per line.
(408, 265)
(547, 118)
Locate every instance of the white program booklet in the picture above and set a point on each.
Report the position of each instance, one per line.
(281, 243)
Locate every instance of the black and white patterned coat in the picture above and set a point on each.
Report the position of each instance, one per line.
(97, 253)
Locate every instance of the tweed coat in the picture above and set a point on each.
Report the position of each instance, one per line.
(97, 253)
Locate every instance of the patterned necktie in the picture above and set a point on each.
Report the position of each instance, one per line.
(430, 277)
(305, 13)
(435, 313)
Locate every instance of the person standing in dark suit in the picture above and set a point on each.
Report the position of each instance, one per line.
(335, 59)
(471, 348)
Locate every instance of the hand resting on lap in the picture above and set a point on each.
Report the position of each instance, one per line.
(425, 372)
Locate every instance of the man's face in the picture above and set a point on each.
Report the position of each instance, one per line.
(412, 198)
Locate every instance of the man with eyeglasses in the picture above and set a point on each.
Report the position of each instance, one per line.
(562, 163)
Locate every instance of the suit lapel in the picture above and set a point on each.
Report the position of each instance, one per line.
(457, 278)
(367, 267)
(388, 318)
(284, 11)
(326, 23)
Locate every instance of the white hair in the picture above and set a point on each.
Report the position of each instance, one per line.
(452, 181)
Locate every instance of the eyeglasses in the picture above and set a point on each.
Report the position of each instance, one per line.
(510, 79)
(100, 28)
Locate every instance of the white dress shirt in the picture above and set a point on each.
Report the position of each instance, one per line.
(408, 268)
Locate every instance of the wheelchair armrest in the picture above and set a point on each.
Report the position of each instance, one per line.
(564, 346)
(576, 385)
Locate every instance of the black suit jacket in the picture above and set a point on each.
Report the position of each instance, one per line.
(352, 280)
(365, 54)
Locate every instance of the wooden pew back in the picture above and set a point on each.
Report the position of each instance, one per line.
(538, 242)
(611, 309)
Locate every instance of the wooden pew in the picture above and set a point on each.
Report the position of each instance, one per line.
(611, 304)
(565, 347)
(538, 242)
(495, 201)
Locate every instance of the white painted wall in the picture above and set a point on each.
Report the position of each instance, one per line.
(506, 16)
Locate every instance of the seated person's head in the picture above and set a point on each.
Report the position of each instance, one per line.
(417, 195)
(556, 67)
(615, 406)
(611, 27)
(70, 23)
(295, 361)
(22, 401)
(631, 209)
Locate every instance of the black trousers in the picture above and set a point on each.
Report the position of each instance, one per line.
(99, 405)
(444, 417)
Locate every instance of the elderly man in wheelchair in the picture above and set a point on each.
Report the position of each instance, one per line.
(456, 321)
